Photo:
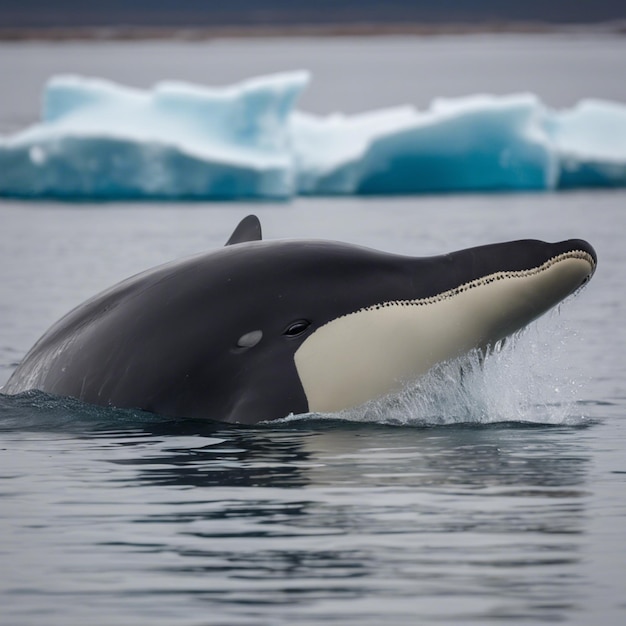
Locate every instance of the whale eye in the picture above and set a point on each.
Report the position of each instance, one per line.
(297, 328)
(249, 340)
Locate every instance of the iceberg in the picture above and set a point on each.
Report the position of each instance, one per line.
(590, 140)
(479, 143)
(101, 141)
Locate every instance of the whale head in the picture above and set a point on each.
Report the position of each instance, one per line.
(261, 329)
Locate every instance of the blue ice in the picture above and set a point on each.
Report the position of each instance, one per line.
(100, 140)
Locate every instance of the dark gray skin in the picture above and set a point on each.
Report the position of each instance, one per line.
(169, 340)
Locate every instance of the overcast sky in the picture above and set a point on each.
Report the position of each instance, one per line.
(279, 12)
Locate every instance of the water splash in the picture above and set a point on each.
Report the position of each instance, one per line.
(527, 378)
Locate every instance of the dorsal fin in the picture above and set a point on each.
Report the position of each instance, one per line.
(249, 229)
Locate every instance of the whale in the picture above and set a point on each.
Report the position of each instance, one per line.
(262, 329)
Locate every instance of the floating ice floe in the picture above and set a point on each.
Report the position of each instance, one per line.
(104, 141)
(99, 140)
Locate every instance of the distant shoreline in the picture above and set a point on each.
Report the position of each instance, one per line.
(139, 33)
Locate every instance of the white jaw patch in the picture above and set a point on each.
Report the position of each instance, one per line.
(375, 351)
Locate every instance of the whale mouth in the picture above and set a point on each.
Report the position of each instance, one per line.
(577, 280)
(574, 260)
(573, 280)
(588, 256)
(581, 246)
(580, 249)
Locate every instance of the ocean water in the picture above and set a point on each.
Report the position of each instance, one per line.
(496, 495)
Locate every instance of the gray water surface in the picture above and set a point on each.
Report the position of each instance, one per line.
(500, 499)
(114, 517)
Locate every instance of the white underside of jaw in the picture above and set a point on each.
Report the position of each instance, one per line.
(377, 350)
